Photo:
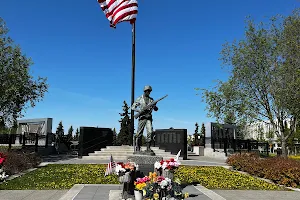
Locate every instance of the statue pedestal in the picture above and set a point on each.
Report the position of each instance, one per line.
(145, 162)
(144, 153)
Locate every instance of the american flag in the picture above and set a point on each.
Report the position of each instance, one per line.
(117, 11)
(110, 166)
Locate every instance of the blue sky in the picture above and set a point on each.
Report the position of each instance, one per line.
(88, 64)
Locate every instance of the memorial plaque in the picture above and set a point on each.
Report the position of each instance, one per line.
(173, 141)
(174, 135)
(170, 138)
(178, 138)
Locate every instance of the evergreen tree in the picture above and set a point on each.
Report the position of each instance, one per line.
(76, 135)
(196, 140)
(70, 132)
(125, 137)
(60, 129)
(202, 134)
(114, 137)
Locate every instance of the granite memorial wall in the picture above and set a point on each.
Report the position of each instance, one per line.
(93, 139)
(172, 140)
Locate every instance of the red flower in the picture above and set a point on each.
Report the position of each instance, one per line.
(160, 179)
(2, 160)
(172, 159)
(122, 164)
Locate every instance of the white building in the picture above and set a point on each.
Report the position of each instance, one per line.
(264, 131)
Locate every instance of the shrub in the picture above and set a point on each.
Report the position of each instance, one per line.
(17, 161)
(283, 171)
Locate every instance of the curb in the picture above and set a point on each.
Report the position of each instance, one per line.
(209, 193)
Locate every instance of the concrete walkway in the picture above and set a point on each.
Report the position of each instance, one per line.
(108, 192)
(113, 192)
(193, 160)
(258, 194)
(31, 194)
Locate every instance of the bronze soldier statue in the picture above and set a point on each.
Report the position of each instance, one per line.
(146, 104)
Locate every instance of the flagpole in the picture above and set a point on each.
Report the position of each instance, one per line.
(133, 81)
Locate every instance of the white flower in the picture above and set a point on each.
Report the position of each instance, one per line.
(157, 165)
(168, 180)
(163, 183)
(164, 165)
(119, 169)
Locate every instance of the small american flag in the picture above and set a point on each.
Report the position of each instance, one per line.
(117, 11)
(110, 167)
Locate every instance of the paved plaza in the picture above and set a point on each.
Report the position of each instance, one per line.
(112, 192)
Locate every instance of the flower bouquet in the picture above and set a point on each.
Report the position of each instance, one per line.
(123, 170)
(140, 184)
(166, 168)
(3, 176)
(159, 188)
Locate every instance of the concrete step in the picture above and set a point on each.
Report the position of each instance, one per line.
(119, 147)
(168, 158)
(116, 158)
(165, 154)
(192, 154)
(108, 154)
(114, 151)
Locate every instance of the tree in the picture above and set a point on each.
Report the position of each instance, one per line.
(124, 137)
(196, 135)
(202, 142)
(114, 137)
(264, 77)
(76, 135)
(60, 129)
(19, 89)
(70, 132)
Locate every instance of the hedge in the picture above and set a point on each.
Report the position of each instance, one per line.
(280, 170)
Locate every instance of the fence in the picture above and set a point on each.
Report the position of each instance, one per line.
(238, 145)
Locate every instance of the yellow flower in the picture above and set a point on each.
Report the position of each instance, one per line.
(155, 196)
(144, 193)
(186, 195)
(140, 186)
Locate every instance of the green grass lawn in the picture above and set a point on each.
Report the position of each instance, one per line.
(65, 176)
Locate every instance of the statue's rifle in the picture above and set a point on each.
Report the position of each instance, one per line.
(149, 107)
